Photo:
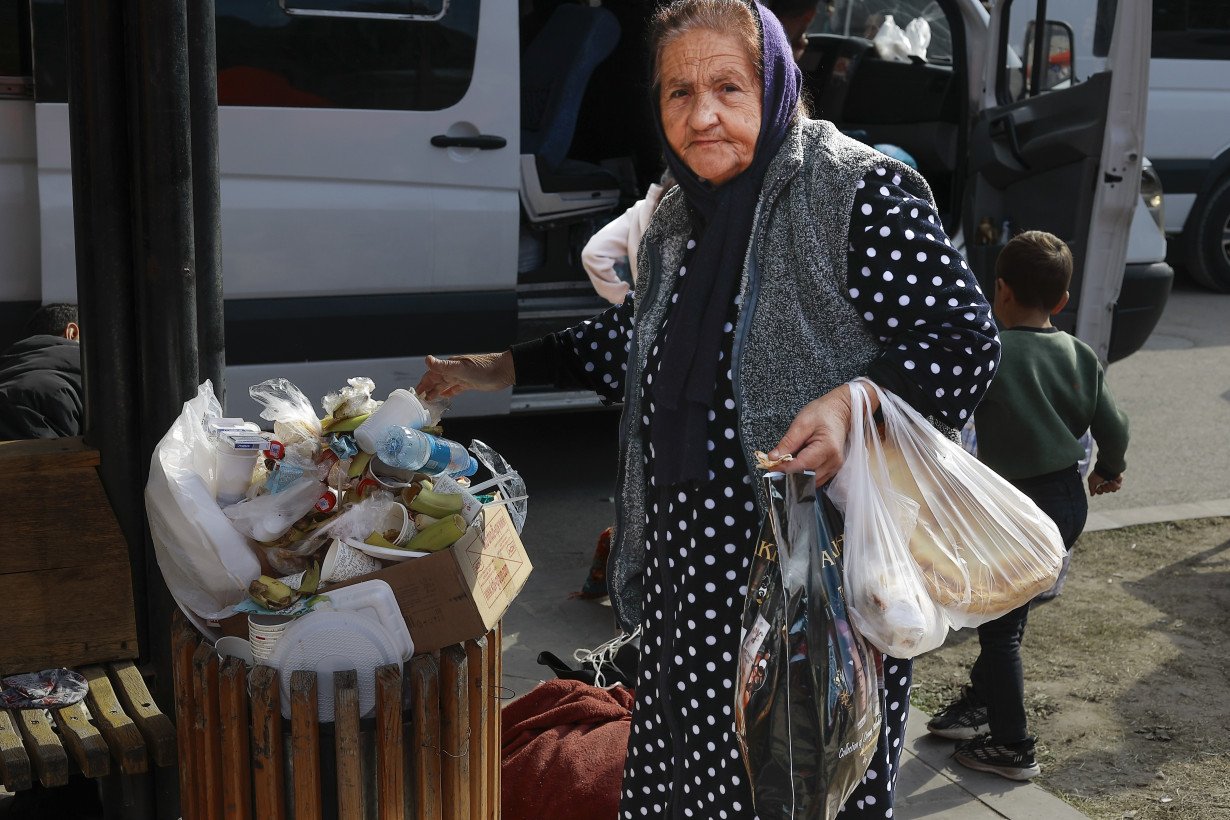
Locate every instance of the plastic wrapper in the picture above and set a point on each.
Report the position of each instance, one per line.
(269, 517)
(353, 400)
(935, 539)
(294, 419)
(807, 705)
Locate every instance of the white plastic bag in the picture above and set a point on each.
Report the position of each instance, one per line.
(268, 517)
(934, 538)
(891, 43)
(294, 419)
(207, 565)
(918, 35)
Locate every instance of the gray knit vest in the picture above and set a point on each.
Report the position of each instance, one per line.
(797, 337)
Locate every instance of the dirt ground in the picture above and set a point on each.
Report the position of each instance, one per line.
(1127, 674)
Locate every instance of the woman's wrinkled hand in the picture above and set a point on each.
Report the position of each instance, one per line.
(446, 378)
(817, 436)
(1099, 485)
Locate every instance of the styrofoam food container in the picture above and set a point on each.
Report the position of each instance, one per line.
(376, 600)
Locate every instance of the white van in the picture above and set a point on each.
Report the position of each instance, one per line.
(1188, 131)
(410, 176)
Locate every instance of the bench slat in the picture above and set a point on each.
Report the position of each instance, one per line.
(138, 703)
(233, 719)
(346, 743)
(46, 752)
(425, 700)
(454, 726)
(268, 776)
(83, 740)
(390, 782)
(14, 762)
(305, 745)
(123, 738)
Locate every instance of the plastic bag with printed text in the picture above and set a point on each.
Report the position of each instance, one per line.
(807, 705)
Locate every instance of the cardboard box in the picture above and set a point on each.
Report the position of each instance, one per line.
(461, 592)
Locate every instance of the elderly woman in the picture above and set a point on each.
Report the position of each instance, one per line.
(788, 261)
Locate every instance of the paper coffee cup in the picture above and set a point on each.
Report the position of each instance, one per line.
(343, 562)
(264, 632)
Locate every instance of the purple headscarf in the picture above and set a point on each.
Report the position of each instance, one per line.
(722, 226)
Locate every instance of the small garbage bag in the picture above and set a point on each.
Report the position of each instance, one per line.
(807, 706)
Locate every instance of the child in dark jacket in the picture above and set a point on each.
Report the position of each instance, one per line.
(1050, 388)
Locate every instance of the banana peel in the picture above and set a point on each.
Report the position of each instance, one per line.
(348, 425)
(377, 539)
(440, 535)
(437, 505)
(358, 464)
(273, 594)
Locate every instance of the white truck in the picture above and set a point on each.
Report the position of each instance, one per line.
(410, 176)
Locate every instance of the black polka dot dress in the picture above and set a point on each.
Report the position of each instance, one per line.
(684, 759)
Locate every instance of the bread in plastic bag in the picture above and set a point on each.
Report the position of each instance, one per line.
(294, 419)
(807, 704)
(935, 539)
(206, 563)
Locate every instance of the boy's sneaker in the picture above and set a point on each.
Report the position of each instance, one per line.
(963, 719)
(1015, 762)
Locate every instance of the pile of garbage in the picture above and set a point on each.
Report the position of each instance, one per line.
(315, 501)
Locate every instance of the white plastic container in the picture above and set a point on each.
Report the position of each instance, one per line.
(402, 408)
(376, 600)
(233, 472)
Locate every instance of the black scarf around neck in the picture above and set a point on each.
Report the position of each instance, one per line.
(722, 223)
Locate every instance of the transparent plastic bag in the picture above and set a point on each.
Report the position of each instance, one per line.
(508, 480)
(935, 539)
(353, 400)
(205, 562)
(268, 517)
(294, 419)
(807, 704)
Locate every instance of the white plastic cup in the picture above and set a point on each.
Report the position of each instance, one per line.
(230, 646)
(233, 473)
(264, 632)
(402, 408)
(399, 519)
(341, 563)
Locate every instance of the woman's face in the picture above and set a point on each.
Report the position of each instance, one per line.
(710, 102)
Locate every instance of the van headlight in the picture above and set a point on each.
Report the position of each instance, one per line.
(1151, 193)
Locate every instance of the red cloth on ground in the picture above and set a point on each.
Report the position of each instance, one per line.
(564, 744)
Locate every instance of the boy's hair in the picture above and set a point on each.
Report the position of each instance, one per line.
(1038, 267)
(51, 320)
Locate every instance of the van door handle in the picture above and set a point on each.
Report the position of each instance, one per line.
(483, 142)
(1006, 126)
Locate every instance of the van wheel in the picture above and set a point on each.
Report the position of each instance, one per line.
(1208, 246)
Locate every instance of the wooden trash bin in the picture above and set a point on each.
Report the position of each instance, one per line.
(431, 750)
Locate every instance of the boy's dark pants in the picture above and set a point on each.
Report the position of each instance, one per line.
(997, 675)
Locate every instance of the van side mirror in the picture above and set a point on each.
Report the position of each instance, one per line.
(1056, 66)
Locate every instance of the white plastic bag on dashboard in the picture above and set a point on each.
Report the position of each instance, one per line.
(934, 538)
(207, 565)
(890, 41)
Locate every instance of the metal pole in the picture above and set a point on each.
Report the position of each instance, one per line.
(206, 196)
(157, 38)
(101, 153)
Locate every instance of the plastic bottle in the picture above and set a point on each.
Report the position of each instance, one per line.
(401, 408)
(411, 449)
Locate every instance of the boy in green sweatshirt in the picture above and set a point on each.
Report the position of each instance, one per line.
(1050, 388)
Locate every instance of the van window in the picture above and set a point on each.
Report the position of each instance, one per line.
(269, 57)
(346, 53)
(14, 50)
(1191, 29)
(863, 18)
(1078, 34)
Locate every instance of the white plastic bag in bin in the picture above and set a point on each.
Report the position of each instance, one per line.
(205, 562)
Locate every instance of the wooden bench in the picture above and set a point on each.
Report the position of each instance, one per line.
(64, 565)
(440, 760)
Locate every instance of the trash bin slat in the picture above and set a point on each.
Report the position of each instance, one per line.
(305, 745)
(455, 731)
(425, 701)
(236, 756)
(495, 748)
(267, 769)
(346, 740)
(83, 740)
(46, 753)
(184, 640)
(390, 783)
(123, 738)
(480, 682)
(205, 720)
